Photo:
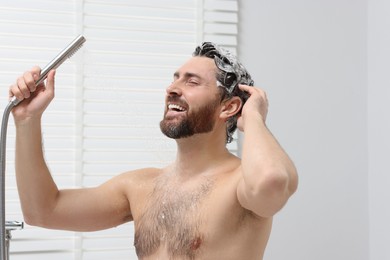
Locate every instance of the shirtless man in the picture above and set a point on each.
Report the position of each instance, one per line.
(207, 204)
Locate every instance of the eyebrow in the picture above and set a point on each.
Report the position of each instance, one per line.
(187, 75)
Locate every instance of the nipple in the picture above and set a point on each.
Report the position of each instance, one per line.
(196, 243)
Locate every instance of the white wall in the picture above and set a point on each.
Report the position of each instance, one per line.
(311, 58)
(379, 127)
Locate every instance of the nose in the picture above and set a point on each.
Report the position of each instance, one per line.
(174, 89)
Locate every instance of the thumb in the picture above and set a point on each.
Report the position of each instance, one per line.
(50, 83)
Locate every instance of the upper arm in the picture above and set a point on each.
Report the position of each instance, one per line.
(91, 209)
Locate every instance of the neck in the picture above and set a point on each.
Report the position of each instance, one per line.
(200, 153)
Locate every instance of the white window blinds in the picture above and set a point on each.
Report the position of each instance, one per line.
(109, 97)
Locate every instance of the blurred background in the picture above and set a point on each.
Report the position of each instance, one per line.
(324, 65)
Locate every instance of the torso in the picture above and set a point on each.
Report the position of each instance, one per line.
(199, 218)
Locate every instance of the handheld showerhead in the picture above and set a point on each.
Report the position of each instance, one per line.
(72, 48)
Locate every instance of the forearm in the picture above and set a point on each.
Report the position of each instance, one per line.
(269, 174)
(261, 151)
(44, 205)
(37, 190)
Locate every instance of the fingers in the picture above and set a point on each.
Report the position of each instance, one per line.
(257, 102)
(25, 84)
(23, 87)
(253, 90)
(36, 70)
(246, 88)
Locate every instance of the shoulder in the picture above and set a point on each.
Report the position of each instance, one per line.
(138, 176)
(131, 183)
(131, 180)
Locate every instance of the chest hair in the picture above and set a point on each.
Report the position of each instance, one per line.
(172, 218)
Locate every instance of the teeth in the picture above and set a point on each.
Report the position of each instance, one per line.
(173, 106)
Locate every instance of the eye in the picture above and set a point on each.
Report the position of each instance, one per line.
(192, 82)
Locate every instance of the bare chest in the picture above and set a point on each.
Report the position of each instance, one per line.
(172, 219)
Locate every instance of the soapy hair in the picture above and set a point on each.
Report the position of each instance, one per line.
(230, 74)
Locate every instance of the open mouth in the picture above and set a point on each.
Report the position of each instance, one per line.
(176, 108)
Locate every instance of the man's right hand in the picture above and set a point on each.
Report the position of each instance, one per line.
(37, 97)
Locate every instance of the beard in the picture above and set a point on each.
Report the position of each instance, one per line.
(195, 122)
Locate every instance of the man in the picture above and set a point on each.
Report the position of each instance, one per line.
(207, 204)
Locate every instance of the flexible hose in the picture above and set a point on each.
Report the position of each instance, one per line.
(3, 139)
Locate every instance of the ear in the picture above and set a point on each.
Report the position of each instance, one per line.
(230, 108)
